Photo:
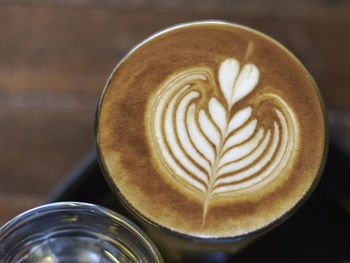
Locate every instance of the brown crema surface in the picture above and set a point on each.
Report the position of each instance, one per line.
(129, 161)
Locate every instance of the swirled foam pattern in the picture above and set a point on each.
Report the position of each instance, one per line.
(212, 149)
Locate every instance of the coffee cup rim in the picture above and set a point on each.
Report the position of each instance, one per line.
(204, 238)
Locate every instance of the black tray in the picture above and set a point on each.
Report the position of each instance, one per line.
(318, 232)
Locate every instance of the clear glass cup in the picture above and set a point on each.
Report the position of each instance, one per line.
(74, 232)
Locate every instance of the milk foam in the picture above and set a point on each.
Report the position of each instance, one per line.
(207, 148)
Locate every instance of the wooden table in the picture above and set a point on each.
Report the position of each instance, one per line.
(55, 57)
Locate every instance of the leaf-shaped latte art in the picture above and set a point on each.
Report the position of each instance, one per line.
(201, 145)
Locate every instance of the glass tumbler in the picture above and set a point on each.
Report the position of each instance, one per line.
(74, 232)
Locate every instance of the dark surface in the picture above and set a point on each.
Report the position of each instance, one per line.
(56, 55)
(318, 232)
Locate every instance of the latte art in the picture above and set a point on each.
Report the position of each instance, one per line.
(210, 149)
(211, 130)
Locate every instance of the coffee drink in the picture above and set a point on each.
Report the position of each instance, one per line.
(211, 130)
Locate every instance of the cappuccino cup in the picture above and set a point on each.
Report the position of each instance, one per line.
(211, 134)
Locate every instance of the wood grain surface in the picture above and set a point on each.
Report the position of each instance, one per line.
(55, 57)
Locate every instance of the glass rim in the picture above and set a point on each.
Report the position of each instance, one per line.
(198, 238)
(72, 206)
